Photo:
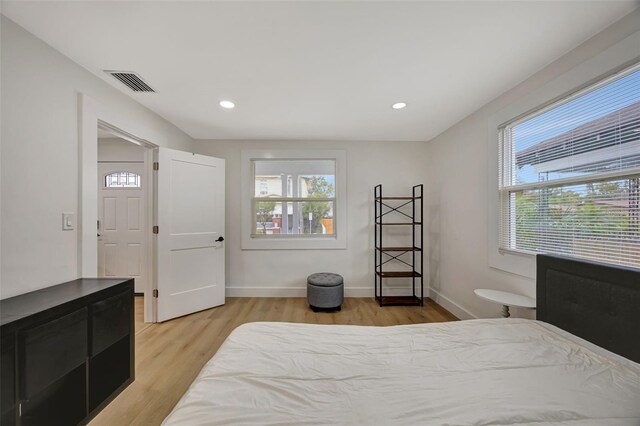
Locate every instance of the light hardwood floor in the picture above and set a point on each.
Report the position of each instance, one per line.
(170, 355)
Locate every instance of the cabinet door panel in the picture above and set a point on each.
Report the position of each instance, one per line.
(110, 321)
(64, 402)
(7, 372)
(51, 350)
(108, 371)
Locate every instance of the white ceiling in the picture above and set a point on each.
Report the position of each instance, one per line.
(317, 70)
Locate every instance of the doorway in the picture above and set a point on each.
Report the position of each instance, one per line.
(124, 205)
(184, 215)
(178, 267)
(123, 209)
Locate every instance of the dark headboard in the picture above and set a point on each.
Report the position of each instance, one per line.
(597, 302)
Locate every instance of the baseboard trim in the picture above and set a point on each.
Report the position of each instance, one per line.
(443, 301)
(450, 305)
(290, 292)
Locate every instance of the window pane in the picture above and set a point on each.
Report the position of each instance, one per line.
(317, 217)
(266, 216)
(296, 218)
(301, 178)
(595, 132)
(122, 180)
(268, 185)
(317, 186)
(599, 221)
(280, 180)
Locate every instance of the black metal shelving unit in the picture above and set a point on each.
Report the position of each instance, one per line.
(408, 255)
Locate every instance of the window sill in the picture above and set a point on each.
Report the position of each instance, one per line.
(519, 263)
(277, 237)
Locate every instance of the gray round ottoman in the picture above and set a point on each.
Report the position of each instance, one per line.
(325, 291)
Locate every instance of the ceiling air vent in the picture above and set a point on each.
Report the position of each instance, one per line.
(131, 80)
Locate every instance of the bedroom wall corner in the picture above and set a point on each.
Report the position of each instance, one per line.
(282, 273)
(458, 191)
(40, 156)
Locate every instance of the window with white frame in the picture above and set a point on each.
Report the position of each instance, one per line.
(570, 175)
(294, 198)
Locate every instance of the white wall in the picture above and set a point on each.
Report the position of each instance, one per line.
(39, 178)
(115, 149)
(1, 214)
(458, 191)
(39, 169)
(397, 165)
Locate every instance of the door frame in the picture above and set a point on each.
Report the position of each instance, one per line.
(92, 115)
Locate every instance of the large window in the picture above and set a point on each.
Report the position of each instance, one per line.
(570, 175)
(294, 198)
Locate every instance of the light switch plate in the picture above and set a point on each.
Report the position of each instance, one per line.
(68, 221)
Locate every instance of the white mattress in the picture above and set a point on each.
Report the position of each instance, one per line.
(502, 371)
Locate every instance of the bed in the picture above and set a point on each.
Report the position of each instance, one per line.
(576, 365)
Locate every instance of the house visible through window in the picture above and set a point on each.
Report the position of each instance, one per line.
(122, 180)
(294, 198)
(570, 175)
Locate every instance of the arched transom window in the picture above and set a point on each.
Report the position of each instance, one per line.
(122, 180)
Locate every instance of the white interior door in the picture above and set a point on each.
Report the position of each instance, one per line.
(122, 229)
(190, 216)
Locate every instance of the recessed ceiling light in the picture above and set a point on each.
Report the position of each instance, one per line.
(398, 105)
(227, 104)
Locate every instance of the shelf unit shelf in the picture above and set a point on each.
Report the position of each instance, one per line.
(399, 223)
(399, 274)
(409, 255)
(400, 301)
(385, 249)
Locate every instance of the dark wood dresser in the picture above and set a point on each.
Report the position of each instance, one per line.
(67, 351)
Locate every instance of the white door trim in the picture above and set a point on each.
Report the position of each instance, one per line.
(92, 114)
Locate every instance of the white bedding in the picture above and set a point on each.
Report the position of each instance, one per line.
(502, 371)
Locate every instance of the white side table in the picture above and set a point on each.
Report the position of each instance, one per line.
(506, 299)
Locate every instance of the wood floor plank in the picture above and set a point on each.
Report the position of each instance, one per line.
(170, 355)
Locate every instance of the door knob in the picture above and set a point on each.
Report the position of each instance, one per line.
(220, 239)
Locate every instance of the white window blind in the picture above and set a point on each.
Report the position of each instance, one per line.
(570, 175)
